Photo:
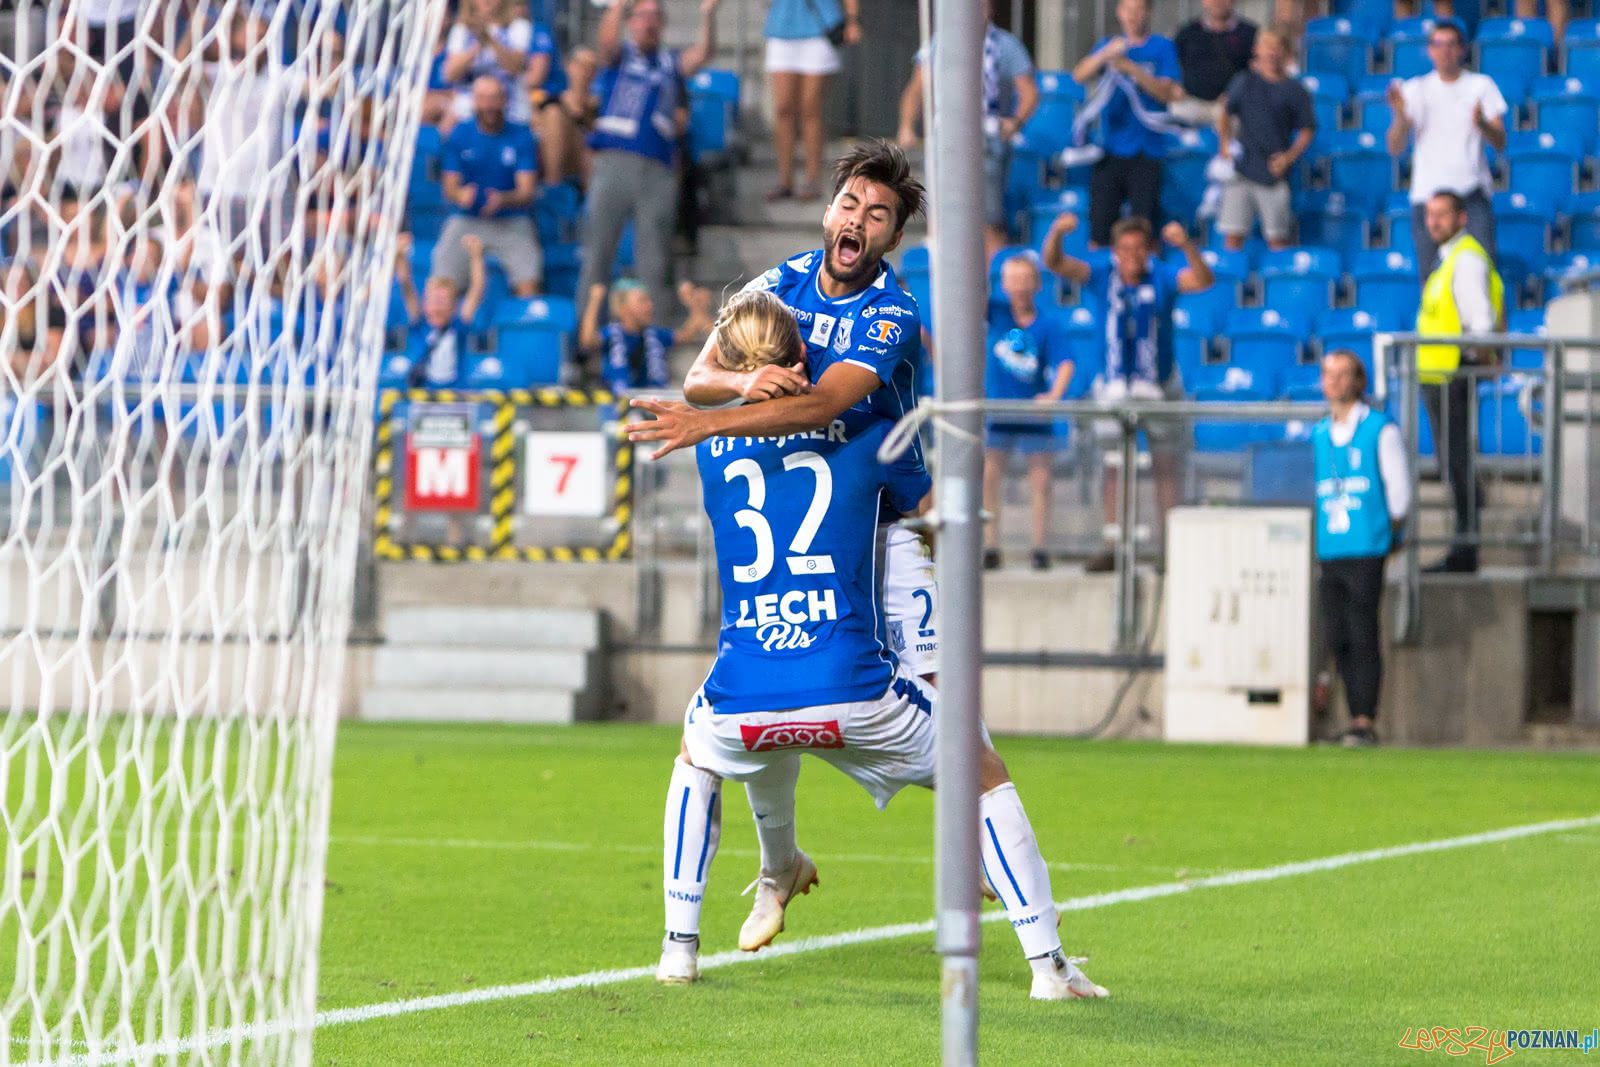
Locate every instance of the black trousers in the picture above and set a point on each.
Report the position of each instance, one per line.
(1118, 180)
(1351, 591)
(1450, 414)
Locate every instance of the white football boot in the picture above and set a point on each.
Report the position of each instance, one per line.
(680, 961)
(773, 893)
(1064, 981)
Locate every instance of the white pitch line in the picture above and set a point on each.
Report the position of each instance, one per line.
(369, 1012)
(578, 846)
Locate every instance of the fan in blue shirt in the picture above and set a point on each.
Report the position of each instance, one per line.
(1026, 360)
(483, 161)
(633, 353)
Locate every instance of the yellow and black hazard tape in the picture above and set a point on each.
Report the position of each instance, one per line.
(502, 480)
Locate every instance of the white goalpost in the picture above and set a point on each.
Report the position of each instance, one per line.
(199, 218)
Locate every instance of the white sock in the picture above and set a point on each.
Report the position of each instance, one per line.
(771, 796)
(690, 834)
(1015, 870)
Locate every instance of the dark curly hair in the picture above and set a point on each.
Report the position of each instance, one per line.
(883, 163)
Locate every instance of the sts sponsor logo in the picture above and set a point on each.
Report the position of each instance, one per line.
(884, 332)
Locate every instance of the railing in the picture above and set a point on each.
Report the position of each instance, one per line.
(1544, 399)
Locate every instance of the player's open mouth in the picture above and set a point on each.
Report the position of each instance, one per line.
(847, 250)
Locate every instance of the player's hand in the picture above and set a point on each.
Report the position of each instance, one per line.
(676, 425)
(770, 381)
(1174, 234)
(466, 196)
(491, 203)
(1278, 164)
(1065, 223)
(473, 244)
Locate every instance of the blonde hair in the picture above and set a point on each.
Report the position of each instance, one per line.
(754, 329)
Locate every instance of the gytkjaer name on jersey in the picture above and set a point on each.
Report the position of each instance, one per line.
(722, 446)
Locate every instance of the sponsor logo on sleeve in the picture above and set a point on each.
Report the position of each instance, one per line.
(767, 281)
(884, 332)
(791, 735)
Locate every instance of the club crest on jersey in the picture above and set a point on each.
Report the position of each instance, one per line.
(884, 332)
(791, 735)
(841, 336)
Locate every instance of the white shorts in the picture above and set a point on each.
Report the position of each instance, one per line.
(884, 744)
(806, 55)
(910, 599)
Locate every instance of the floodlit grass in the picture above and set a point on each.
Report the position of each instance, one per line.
(466, 858)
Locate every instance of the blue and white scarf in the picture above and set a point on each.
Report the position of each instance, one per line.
(1131, 332)
(1112, 82)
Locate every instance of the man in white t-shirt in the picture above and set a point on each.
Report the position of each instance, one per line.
(1449, 114)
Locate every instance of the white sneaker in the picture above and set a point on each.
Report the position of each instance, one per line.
(680, 961)
(773, 893)
(1065, 982)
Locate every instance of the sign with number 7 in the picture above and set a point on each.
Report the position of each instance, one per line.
(564, 474)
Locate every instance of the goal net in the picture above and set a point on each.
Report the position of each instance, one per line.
(197, 227)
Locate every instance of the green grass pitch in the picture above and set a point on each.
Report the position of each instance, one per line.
(467, 858)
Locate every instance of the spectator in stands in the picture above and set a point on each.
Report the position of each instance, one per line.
(1462, 296)
(35, 349)
(1135, 76)
(103, 28)
(1010, 95)
(1271, 116)
(439, 102)
(1027, 360)
(633, 171)
(567, 127)
(490, 38)
(1363, 490)
(635, 352)
(1139, 292)
(491, 169)
(1211, 50)
(544, 83)
(800, 59)
(1448, 116)
(436, 341)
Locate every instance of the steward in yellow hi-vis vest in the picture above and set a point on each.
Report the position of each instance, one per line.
(1439, 317)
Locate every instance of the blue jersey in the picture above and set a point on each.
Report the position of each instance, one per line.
(491, 160)
(635, 360)
(1138, 328)
(1022, 360)
(794, 520)
(642, 93)
(877, 327)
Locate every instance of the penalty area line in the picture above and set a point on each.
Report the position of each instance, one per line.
(805, 945)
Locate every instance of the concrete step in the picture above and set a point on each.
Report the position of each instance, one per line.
(458, 704)
(495, 627)
(483, 668)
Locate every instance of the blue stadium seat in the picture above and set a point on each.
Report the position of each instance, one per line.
(1408, 56)
(1397, 229)
(556, 213)
(1416, 28)
(1254, 248)
(1522, 237)
(1050, 126)
(1337, 46)
(1375, 114)
(1512, 52)
(1191, 347)
(1359, 166)
(1327, 219)
(1349, 328)
(1571, 264)
(530, 353)
(1232, 269)
(1183, 175)
(1390, 298)
(1569, 106)
(1335, 87)
(718, 82)
(1329, 112)
(1303, 381)
(915, 259)
(1300, 283)
(711, 122)
(1263, 338)
(1207, 310)
(1027, 176)
(1543, 167)
(561, 262)
(1504, 404)
(1581, 46)
(426, 163)
(1583, 225)
(1041, 215)
(1528, 321)
(427, 220)
(1231, 383)
(558, 313)
(394, 371)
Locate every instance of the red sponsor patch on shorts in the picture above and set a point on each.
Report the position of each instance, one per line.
(791, 735)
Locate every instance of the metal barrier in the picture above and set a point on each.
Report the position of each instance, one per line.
(1536, 401)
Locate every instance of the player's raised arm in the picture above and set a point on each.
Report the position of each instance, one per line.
(843, 386)
(708, 383)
